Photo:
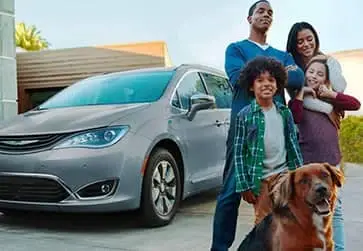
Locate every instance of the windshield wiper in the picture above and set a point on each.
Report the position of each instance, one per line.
(38, 108)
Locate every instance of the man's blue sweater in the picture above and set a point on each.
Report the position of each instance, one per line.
(239, 53)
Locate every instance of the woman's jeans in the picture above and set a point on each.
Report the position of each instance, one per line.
(338, 225)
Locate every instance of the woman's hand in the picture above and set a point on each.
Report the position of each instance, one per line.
(325, 92)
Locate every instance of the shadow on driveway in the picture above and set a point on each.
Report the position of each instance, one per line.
(111, 222)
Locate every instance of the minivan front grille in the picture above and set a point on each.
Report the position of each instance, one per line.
(31, 189)
(28, 143)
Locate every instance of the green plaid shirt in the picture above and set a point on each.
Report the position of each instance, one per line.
(249, 150)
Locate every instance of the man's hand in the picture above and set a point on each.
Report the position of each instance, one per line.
(291, 68)
(325, 92)
(249, 197)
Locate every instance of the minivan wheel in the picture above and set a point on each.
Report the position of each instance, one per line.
(161, 191)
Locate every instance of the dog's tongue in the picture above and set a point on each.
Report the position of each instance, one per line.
(323, 206)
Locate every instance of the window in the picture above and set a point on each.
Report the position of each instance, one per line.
(175, 101)
(39, 96)
(219, 88)
(190, 85)
(124, 88)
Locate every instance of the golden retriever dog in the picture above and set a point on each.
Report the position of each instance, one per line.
(301, 219)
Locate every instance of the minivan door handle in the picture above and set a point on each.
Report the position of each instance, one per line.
(218, 123)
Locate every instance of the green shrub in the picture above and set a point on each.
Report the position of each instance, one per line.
(351, 139)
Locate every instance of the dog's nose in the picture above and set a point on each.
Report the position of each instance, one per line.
(321, 190)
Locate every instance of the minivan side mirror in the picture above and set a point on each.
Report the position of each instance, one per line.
(199, 102)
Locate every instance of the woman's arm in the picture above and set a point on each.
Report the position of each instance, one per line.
(317, 105)
(337, 80)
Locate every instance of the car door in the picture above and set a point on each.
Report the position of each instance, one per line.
(201, 137)
(219, 87)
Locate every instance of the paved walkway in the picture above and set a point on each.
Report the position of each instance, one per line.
(190, 231)
(352, 203)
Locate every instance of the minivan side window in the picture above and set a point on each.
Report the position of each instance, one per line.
(189, 86)
(219, 87)
(175, 100)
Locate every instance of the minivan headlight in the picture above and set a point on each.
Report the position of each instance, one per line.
(97, 138)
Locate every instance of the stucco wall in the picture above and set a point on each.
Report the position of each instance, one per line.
(352, 66)
(8, 85)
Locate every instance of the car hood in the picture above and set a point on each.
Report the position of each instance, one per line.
(63, 120)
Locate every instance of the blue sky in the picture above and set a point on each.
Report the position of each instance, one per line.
(196, 31)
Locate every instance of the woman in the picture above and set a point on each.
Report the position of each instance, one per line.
(318, 137)
(303, 44)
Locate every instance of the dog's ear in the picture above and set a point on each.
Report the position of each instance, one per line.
(283, 191)
(336, 174)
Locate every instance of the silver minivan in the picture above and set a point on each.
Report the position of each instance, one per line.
(141, 139)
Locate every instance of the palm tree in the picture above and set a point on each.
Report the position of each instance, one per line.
(29, 38)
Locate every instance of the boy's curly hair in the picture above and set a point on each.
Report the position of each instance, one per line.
(258, 66)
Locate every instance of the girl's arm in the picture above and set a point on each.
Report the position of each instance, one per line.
(344, 102)
(296, 106)
(340, 101)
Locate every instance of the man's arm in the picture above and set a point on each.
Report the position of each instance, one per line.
(234, 62)
(242, 181)
(295, 76)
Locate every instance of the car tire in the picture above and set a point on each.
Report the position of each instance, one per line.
(161, 191)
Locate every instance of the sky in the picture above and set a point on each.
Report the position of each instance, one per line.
(196, 31)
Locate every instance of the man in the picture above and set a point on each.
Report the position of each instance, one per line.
(237, 55)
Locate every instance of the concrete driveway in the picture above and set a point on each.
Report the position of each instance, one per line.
(191, 229)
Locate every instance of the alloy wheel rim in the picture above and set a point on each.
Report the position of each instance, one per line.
(163, 188)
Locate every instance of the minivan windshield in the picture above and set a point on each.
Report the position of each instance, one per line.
(124, 88)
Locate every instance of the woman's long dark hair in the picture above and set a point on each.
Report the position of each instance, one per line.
(291, 46)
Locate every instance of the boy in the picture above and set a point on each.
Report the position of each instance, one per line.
(265, 141)
(237, 54)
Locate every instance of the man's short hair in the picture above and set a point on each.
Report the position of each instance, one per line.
(253, 7)
(259, 65)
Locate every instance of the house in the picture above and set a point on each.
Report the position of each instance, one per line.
(41, 74)
(352, 66)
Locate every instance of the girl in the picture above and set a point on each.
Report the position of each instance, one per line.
(318, 137)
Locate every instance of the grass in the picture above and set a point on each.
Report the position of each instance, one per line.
(351, 139)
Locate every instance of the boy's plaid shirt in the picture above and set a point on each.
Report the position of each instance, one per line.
(249, 150)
